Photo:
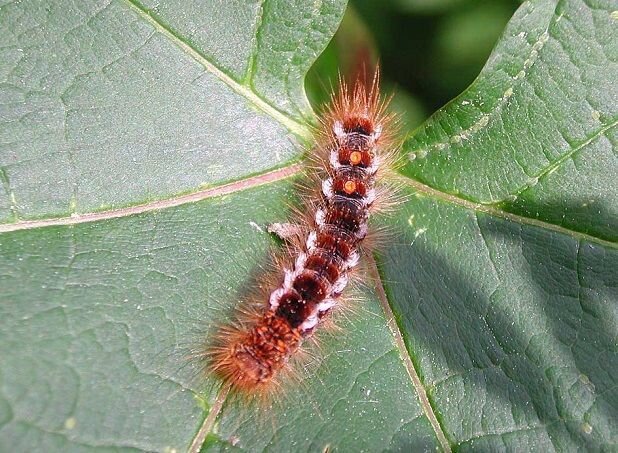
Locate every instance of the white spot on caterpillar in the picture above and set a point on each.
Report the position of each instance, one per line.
(376, 134)
(339, 132)
(362, 231)
(325, 305)
(288, 278)
(340, 284)
(309, 323)
(375, 163)
(586, 428)
(299, 265)
(311, 240)
(327, 188)
(320, 217)
(370, 197)
(274, 298)
(352, 260)
(334, 160)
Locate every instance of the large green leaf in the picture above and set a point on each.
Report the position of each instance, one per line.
(107, 104)
(498, 329)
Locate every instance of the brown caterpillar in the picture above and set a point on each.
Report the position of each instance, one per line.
(353, 152)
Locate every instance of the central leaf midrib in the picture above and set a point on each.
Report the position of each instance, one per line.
(280, 174)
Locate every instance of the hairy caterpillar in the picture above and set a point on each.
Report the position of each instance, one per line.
(352, 153)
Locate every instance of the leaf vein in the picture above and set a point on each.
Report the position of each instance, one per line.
(407, 360)
(485, 117)
(495, 211)
(252, 63)
(212, 192)
(558, 162)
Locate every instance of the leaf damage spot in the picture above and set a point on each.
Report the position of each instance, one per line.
(533, 181)
(70, 423)
(507, 94)
(256, 227)
(586, 381)
(420, 153)
(586, 428)
(534, 54)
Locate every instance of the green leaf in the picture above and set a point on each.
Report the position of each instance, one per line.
(114, 104)
(534, 133)
(497, 328)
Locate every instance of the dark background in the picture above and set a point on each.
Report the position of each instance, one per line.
(429, 50)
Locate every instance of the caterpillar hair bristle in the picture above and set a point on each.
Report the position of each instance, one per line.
(354, 151)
